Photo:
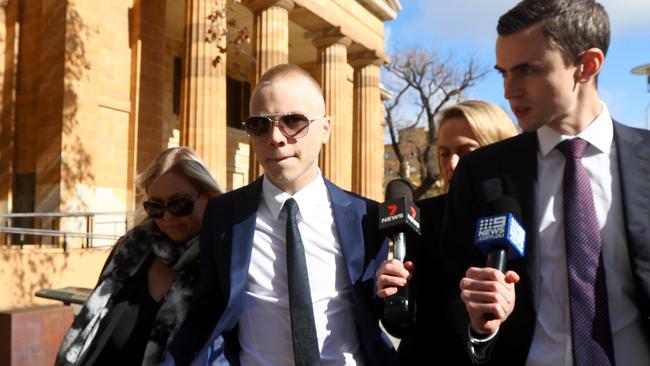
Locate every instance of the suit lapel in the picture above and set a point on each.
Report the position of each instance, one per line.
(241, 246)
(350, 233)
(634, 165)
(521, 184)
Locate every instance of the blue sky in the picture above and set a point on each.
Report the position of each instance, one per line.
(467, 28)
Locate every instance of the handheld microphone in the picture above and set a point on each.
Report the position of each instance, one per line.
(397, 216)
(500, 236)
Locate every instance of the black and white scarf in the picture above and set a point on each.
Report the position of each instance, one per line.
(129, 255)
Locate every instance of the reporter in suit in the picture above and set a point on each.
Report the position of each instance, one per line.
(241, 312)
(550, 53)
(462, 128)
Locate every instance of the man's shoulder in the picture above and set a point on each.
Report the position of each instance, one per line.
(507, 148)
(337, 193)
(517, 153)
(246, 195)
(622, 129)
(432, 203)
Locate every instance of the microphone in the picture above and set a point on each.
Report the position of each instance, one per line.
(397, 216)
(500, 236)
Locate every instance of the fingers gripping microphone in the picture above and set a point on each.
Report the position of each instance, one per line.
(397, 216)
(500, 236)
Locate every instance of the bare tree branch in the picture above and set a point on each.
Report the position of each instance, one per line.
(423, 84)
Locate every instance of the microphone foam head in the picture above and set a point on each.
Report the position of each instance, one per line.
(503, 205)
(399, 188)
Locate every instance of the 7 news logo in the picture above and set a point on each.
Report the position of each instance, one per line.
(392, 209)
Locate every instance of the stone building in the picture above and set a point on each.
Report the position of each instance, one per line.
(92, 91)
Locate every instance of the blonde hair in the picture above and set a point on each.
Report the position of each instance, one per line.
(182, 160)
(489, 122)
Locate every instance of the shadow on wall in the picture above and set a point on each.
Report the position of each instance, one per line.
(76, 166)
(25, 271)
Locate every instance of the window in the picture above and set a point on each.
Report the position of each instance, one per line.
(176, 91)
(24, 201)
(238, 94)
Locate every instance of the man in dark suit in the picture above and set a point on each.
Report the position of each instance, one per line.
(550, 53)
(241, 313)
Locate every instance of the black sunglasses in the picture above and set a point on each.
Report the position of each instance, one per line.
(179, 207)
(292, 125)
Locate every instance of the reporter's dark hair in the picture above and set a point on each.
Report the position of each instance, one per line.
(573, 26)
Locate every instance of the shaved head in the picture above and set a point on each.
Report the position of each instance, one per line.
(290, 163)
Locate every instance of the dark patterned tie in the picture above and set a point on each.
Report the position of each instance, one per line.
(303, 328)
(590, 328)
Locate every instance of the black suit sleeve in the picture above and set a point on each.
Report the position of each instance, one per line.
(504, 169)
(207, 303)
(457, 249)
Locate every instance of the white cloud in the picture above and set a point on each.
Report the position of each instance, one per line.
(477, 19)
(460, 19)
(628, 15)
(387, 33)
(619, 102)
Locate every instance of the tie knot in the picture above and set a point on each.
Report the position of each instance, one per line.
(291, 206)
(573, 149)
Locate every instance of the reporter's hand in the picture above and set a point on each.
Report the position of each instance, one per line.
(488, 290)
(392, 274)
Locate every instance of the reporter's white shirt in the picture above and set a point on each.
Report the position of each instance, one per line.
(552, 344)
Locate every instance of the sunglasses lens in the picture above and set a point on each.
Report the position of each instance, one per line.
(154, 209)
(294, 123)
(257, 126)
(180, 206)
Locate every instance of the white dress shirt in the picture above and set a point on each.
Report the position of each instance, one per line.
(552, 344)
(264, 325)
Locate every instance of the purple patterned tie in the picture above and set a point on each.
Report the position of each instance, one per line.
(590, 329)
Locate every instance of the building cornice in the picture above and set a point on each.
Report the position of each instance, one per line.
(383, 9)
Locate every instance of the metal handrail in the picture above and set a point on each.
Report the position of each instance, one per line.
(54, 233)
(55, 217)
(64, 214)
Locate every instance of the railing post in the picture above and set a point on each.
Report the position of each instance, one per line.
(38, 224)
(87, 231)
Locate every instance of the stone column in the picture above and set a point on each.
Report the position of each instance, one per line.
(270, 46)
(368, 131)
(270, 34)
(145, 139)
(335, 159)
(9, 39)
(9, 36)
(203, 96)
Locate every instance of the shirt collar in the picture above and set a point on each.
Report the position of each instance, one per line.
(308, 198)
(599, 134)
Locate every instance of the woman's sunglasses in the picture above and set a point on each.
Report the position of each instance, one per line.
(179, 207)
(292, 125)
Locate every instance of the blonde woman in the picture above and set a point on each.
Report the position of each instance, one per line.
(466, 126)
(143, 292)
(462, 128)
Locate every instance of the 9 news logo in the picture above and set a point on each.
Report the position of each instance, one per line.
(492, 228)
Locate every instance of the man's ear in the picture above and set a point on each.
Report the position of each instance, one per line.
(327, 127)
(589, 65)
